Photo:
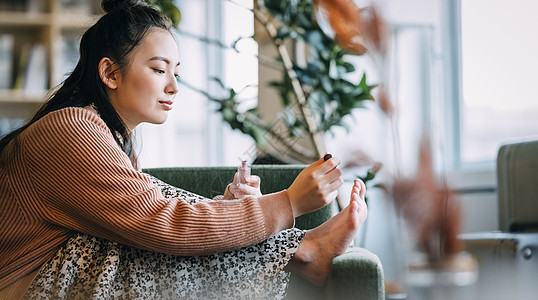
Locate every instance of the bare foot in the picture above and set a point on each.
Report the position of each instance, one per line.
(322, 244)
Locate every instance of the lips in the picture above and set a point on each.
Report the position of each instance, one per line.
(167, 105)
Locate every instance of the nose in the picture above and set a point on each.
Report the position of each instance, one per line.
(173, 86)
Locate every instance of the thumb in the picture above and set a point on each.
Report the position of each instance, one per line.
(236, 180)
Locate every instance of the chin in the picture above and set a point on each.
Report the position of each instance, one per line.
(159, 120)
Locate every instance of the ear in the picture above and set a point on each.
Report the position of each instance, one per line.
(108, 75)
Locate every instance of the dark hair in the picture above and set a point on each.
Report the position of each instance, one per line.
(115, 35)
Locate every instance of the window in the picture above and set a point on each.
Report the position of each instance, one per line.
(499, 70)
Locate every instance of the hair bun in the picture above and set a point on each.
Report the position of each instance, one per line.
(109, 5)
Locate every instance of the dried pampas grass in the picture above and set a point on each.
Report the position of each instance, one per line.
(430, 209)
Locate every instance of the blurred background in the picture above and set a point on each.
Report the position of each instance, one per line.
(462, 69)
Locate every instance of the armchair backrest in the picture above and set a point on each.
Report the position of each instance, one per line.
(517, 173)
(211, 181)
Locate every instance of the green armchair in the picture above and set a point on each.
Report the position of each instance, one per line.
(357, 274)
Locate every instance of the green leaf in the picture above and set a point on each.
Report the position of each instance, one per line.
(175, 15)
(349, 67)
(282, 33)
(326, 83)
(168, 8)
(219, 81)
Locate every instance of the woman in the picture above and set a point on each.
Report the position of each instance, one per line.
(78, 219)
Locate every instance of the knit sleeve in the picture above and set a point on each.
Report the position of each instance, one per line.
(83, 181)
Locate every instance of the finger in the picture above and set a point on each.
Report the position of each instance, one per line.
(331, 196)
(331, 176)
(244, 188)
(330, 191)
(334, 186)
(329, 165)
(234, 190)
(253, 181)
(318, 162)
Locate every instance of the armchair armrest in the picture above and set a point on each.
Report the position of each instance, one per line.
(356, 274)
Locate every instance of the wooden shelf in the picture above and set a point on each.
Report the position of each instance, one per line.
(23, 19)
(73, 21)
(48, 28)
(19, 96)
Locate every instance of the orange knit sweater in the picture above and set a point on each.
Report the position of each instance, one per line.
(65, 173)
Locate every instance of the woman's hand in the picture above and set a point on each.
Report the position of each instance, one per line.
(316, 186)
(236, 190)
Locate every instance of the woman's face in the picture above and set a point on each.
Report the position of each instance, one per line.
(145, 92)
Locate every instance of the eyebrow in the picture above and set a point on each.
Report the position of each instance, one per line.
(166, 60)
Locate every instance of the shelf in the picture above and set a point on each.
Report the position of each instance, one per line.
(20, 96)
(68, 21)
(75, 21)
(49, 24)
(23, 19)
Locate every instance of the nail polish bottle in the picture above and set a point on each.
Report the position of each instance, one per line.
(243, 172)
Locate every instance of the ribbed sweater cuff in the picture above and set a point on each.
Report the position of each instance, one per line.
(277, 211)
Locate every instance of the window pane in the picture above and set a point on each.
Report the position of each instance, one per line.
(241, 74)
(499, 75)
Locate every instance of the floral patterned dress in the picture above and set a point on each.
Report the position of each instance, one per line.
(88, 267)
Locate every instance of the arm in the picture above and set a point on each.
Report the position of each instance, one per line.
(84, 182)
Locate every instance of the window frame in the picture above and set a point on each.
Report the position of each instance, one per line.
(466, 177)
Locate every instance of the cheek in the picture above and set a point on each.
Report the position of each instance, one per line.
(147, 85)
(139, 88)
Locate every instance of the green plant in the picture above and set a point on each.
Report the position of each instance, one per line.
(168, 8)
(316, 96)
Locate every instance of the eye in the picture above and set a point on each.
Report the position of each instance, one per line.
(177, 77)
(159, 71)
